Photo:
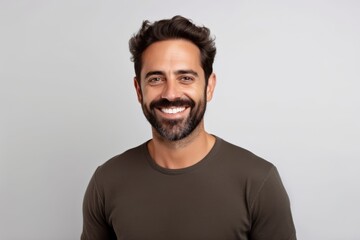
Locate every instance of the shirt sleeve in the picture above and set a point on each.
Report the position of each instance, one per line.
(95, 225)
(270, 211)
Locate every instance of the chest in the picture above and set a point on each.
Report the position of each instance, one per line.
(179, 207)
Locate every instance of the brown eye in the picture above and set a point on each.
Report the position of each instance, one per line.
(186, 79)
(155, 80)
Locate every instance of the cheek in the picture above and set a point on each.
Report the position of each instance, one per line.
(197, 93)
(149, 96)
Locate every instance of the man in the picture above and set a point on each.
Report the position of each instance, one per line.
(184, 183)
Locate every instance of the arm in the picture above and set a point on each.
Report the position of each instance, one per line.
(270, 211)
(95, 225)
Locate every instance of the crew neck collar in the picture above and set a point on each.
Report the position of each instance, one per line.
(197, 165)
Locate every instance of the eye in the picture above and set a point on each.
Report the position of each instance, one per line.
(155, 80)
(186, 79)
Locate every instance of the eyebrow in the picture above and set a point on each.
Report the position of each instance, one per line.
(178, 72)
(192, 72)
(154, 73)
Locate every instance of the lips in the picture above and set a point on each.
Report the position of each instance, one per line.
(172, 107)
(173, 110)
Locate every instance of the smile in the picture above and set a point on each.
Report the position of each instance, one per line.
(173, 110)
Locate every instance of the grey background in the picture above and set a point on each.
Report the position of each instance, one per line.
(288, 83)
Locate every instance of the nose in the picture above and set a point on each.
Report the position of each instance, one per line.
(171, 90)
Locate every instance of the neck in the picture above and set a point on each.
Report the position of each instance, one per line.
(182, 153)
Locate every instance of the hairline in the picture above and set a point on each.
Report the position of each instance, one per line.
(172, 39)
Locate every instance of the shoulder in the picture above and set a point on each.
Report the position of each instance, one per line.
(243, 160)
(122, 164)
(258, 177)
(129, 155)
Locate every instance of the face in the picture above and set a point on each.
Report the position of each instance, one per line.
(172, 88)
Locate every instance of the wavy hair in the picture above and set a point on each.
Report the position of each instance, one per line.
(177, 27)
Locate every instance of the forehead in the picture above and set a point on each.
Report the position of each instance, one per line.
(171, 54)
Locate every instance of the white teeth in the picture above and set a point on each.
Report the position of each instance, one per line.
(173, 110)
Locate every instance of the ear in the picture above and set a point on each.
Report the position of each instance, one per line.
(210, 87)
(138, 89)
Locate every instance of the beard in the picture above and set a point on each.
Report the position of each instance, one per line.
(175, 129)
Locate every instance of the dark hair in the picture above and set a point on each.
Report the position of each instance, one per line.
(177, 27)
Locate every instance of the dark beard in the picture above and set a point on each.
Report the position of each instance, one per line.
(174, 130)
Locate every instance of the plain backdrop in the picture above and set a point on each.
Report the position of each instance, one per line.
(287, 90)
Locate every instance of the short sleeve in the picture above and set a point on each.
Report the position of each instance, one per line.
(95, 225)
(270, 211)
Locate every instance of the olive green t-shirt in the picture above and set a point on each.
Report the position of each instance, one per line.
(230, 194)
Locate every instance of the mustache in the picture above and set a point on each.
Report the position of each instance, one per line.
(165, 103)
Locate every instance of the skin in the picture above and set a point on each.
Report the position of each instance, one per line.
(172, 70)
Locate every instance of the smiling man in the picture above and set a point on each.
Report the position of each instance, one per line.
(184, 183)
